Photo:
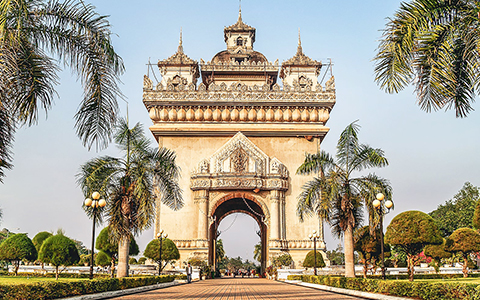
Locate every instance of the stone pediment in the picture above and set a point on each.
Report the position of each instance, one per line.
(240, 164)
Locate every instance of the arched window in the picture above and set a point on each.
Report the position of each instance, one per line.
(240, 41)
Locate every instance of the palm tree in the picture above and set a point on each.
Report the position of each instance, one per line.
(37, 35)
(435, 45)
(219, 252)
(336, 195)
(257, 252)
(131, 185)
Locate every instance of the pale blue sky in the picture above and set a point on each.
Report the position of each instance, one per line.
(431, 155)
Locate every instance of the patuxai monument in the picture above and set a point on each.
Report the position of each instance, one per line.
(239, 135)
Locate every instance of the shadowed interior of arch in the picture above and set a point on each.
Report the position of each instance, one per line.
(244, 206)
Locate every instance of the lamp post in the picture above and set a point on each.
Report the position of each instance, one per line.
(161, 236)
(314, 236)
(95, 204)
(377, 204)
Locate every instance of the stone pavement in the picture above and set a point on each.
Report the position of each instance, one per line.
(238, 289)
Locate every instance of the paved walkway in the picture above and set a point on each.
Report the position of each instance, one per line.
(238, 289)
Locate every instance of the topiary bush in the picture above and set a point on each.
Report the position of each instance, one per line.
(412, 231)
(132, 261)
(309, 260)
(464, 241)
(16, 248)
(59, 250)
(102, 259)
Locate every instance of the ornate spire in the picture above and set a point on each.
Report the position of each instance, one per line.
(299, 48)
(300, 59)
(180, 44)
(240, 12)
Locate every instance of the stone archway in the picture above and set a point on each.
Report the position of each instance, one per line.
(241, 177)
(238, 203)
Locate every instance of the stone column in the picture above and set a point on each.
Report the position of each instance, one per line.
(201, 198)
(283, 234)
(274, 215)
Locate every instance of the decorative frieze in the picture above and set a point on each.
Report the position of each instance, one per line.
(240, 164)
(232, 114)
(181, 244)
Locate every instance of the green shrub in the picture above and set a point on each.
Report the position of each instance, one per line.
(141, 260)
(132, 261)
(309, 260)
(54, 289)
(58, 250)
(419, 290)
(102, 259)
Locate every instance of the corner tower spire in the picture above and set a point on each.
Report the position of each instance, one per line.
(240, 12)
(180, 43)
(299, 48)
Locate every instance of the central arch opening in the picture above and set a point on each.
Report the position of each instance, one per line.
(232, 206)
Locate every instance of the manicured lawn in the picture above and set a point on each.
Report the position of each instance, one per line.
(27, 280)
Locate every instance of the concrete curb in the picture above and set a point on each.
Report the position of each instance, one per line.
(346, 291)
(111, 294)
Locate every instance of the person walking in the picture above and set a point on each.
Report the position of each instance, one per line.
(189, 271)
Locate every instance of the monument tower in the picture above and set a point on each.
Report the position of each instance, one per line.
(239, 137)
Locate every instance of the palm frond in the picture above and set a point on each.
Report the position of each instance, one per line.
(81, 38)
(100, 174)
(314, 200)
(368, 187)
(315, 163)
(347, 145)
(7, 131)
(367, 157)
(166, 174)
(434, 44)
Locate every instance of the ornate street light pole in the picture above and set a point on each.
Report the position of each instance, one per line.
(161, 236)
(95, 204)
(377, 204)
(314, 236)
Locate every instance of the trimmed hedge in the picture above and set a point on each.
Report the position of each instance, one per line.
(52, 275)
(54, 290)
(425, 276)
(420, 290)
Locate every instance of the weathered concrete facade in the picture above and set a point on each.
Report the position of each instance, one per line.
(239, 138)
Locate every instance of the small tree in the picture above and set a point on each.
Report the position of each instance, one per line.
(398, 258)
(310, 259)
(169, 252)
(16, 248)
(476, 216)
(463, 241)
(412, 231)
(38, 240)
(59, 250)
(105, 243)
(283, 260)
(142, 260)
(132, 261)
(336, 256)
(369, 248)
(437, 253)
(457, 212)
(102, 259)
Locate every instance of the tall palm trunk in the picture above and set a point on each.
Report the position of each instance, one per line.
(123, 247)
(349, 257)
